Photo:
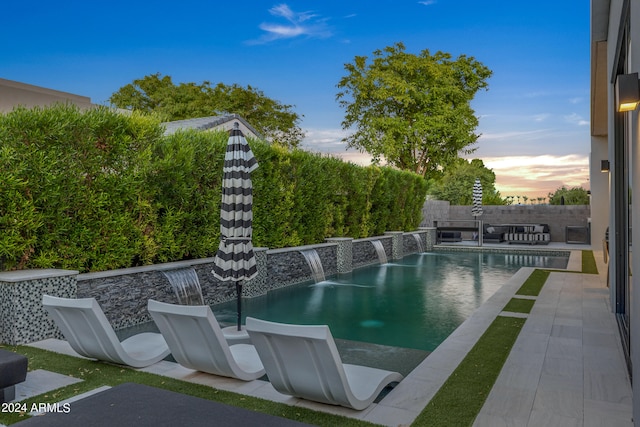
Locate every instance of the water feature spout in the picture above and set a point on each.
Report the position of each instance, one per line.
(313, 259)
(419, 242)
(382, 254)
(186, 285)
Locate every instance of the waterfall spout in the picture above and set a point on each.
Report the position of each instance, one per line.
(382, 254)
(419, 242)
(186, 286)
(313, 259)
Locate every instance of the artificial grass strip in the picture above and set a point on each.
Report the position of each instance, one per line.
(97, 374)
(461, 397)
(534, 283)
(589, 262)
(519, 305)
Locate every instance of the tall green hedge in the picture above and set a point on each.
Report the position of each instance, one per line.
(72, 191)
(99, 190)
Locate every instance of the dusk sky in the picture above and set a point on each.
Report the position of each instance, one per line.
(534, 118)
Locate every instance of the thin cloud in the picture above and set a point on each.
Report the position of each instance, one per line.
(537, 94)
(325, 140)
(297, 24)
(427, 2)
(513, 135)
(537, 176)
(576, 119)
(330, 142)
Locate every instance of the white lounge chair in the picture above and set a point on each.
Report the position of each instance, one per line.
(89, 333)
(303, 361)
(197, 342)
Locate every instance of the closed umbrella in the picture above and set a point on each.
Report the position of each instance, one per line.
(235, 260)
(476, 209)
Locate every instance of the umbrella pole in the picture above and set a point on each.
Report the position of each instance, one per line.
(239, 301)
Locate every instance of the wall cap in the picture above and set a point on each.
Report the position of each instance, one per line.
(34, 274)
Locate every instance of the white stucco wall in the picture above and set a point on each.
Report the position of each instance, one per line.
(14, 93)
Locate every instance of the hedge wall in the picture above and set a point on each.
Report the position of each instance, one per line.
(100, 190)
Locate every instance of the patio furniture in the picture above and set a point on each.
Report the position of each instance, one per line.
(89, 333)
(13, 370)
(493, 233)
(197, 342)
(530, 234)
(577, 234)
(452, 231)
(449, 236)
(303, 361)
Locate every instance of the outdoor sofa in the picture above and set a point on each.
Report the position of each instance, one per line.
(493, 233)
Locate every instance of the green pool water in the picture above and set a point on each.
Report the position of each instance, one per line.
(415, 303)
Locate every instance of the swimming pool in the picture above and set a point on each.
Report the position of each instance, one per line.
(414, 303)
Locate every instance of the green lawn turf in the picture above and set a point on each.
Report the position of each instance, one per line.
(533, 285)
(519, 305)
(589, 263)
(97, 374)
(461, 397)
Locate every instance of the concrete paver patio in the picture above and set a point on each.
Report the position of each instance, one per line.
(566, 367)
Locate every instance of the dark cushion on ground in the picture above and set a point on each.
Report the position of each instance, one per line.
(13, 368)
(140, 405)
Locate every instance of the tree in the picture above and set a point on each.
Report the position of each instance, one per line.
(412, 110)
(573, 196)
(456, 184)
(158, 94)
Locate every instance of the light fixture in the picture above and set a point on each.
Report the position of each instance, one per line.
(627, 92)
(604, 166)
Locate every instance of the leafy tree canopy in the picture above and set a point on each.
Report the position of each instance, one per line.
(158, 94)
(413, 110)
(456, 184)
(566, 196)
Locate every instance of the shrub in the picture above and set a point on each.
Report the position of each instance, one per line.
(100, 190)
(71, 187)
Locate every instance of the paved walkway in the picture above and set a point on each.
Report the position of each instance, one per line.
(566, 367)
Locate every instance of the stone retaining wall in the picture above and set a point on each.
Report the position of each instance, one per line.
(123, 294)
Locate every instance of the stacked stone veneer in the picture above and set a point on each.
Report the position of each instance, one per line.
(22, 317)
(410, 242)
(123, 294)
(364, 253)
(288, 266)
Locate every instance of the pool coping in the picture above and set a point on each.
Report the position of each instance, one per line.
(406, 401)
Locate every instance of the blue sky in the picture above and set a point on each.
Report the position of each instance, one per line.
(534, 119)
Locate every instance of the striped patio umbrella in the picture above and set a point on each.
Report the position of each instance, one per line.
(476, 209)
(235, 260)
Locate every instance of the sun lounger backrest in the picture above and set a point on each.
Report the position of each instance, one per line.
(84, 325)
(300, 360)
(194, 336)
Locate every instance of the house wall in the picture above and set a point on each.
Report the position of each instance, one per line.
(608, 19)
(14, 93)
(599, 183)
(635, 211)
